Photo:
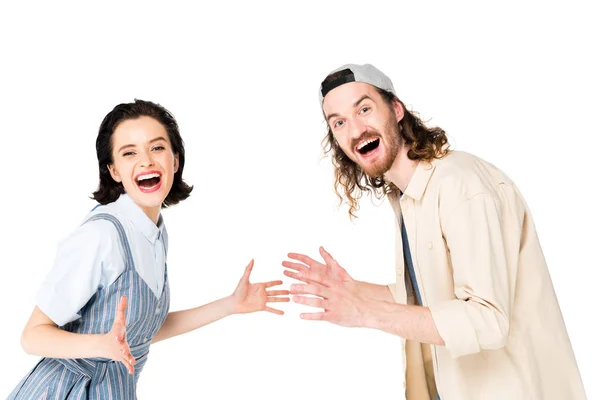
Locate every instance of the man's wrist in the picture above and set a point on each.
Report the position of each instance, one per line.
(378, 314)
(369, 312)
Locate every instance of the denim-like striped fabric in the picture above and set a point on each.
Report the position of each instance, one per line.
(101, 378)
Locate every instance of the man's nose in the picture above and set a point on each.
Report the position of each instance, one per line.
(356, 128)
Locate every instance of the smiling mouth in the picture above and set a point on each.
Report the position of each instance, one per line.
(148, 181)
(367, 146)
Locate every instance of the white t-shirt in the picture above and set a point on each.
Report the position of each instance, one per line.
(92, 258)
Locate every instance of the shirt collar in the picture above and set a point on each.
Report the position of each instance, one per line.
(420, 179)
(416, 187)
(139, 219)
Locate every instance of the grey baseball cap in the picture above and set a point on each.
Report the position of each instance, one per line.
(366, 73)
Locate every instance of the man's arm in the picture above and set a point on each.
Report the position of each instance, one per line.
(337, 273)
(376, 292)
(345, 304)
(409, 322)
(483, 240)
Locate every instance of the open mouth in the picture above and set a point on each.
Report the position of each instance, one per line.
(148, 181)
(368, 146)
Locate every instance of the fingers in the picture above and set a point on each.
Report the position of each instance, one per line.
(272, 283)
(294, 266)
(274, 311)
(294, 275)
(127, 365)
(120, 331)
(305, 259)
(309, 275)
(316, 302)
(311, 301)
(278, 292)
(126, 351)
(277, 299)
(315, 290)
(320, 316)
(127, 358)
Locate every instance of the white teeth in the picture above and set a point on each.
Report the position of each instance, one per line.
(366, 142)
(148, 176)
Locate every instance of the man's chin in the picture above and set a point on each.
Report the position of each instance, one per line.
(375, 171)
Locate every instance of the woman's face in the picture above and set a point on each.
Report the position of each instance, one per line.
(144, 162)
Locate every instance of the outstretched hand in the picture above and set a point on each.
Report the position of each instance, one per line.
(331, 288)
(251, 297)
(331, 269)
(115, 341)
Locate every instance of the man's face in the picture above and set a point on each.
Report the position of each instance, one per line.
(364, 126)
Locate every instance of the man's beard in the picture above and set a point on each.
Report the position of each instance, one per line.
(391, 148)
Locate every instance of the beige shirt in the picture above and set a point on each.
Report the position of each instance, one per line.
(480, 269)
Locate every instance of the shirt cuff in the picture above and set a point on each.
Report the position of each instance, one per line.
(54, 306)
(454, 326)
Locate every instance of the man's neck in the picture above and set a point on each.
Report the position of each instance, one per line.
(402, 170)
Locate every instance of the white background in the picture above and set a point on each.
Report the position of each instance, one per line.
(516, 84)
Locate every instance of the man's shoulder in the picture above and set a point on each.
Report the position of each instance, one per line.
(461, 166)
(458, 160)
(461, 175)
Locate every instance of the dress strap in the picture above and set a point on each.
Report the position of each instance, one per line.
(122, 236)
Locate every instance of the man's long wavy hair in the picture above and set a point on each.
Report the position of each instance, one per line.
(351, 182)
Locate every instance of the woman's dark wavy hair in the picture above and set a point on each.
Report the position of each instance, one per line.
(351, 181)
(108, 189)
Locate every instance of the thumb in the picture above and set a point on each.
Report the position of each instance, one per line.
(119, 323)
(246, 276)
(329, 260)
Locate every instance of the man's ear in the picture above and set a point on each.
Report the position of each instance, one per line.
(398, 110)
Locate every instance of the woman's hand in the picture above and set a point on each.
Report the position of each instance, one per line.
(115, 342)
(251, 297)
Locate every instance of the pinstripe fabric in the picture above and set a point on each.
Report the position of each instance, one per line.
(101, 378)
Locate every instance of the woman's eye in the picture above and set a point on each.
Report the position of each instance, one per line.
(365, 109)
(129, 153)
(159, 148)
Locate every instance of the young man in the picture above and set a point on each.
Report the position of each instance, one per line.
(473, 300)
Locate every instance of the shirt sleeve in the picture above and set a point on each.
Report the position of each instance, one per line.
(392, 287)
(478, 319)
(78, 270)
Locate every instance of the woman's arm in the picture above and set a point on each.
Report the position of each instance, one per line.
(247, 297)
(180, 322)
(43, 337)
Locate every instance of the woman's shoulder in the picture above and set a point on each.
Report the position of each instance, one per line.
(96, 232)
(104, 218)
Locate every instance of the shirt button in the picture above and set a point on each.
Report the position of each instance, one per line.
(430, 245)
(157, 311)
(399, 271)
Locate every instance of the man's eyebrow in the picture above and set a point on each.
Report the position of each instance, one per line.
(332, 116)
(366, 96)
(356, 103)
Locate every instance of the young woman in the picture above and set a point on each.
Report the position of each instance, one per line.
(106, 298)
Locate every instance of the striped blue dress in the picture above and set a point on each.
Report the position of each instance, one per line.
(101, 378)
